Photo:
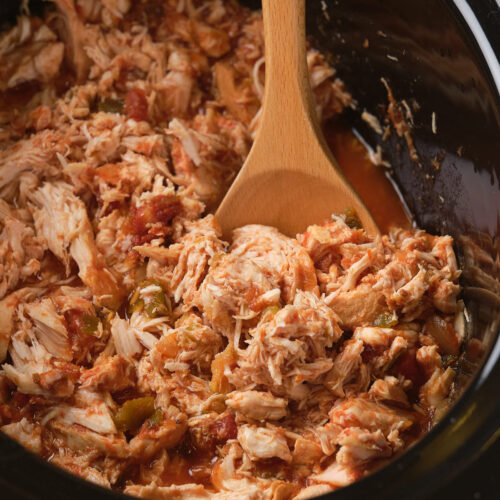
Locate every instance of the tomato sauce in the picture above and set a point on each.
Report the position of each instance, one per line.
(195, 469)
(193, 460)
(370, 181)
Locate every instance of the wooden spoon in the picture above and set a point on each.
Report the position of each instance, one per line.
(290, 178)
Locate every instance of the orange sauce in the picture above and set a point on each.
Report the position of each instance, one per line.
(181, 470)
(370, 181)
(176, 472)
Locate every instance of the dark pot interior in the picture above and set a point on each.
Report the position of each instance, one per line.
(441, 55)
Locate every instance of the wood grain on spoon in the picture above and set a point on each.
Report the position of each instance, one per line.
(290, 178)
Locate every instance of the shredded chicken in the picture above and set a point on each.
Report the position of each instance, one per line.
(141, 351)
(62, 220)
(32, 53)
(260, 443)
(257, 405)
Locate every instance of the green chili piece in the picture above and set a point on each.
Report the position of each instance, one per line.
(155, 305)
(108, 105)
(156, 418)
(351, 219)
(267, 475)
(133, 413)
(136, 303)
(159, 305)
(90, 324)
(269, 312)
(386, 320)
(271, 309)
(105, 317)
(136, 306)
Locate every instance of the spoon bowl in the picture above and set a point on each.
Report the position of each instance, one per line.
(290, 178)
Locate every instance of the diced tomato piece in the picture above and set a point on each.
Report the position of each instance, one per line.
(159, 210)
(136, 105)
(225, 428)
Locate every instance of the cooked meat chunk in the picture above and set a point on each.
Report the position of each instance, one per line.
(389, 389)
(50, 328)
(31, 52)
(75, 36)
(345, 367)
(306, 452)
(90, 411)
(61, 219)
(33, 368)
(370, 414)
(8, 308)
(359, 446)
(235, 287)
(80, 439)
(365, 278)
(198, 147)
(37, 154)
(261, 443)
(113, 374)
(336, 475)
(25, 433)
(288, 350)
(358, 307)
(186, 262)
(21, 251)
(257, 405)
(79, 465)
(164, 435)
(191, 345)
(435, 390)
(278, 256)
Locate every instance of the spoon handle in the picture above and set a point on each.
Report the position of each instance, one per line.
(288, 97)
(290, 178)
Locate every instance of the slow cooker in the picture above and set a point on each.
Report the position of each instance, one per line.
(441, 55)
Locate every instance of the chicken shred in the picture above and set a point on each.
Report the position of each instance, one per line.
(139, 349)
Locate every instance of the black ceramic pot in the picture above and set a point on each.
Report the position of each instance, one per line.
(443, 56)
